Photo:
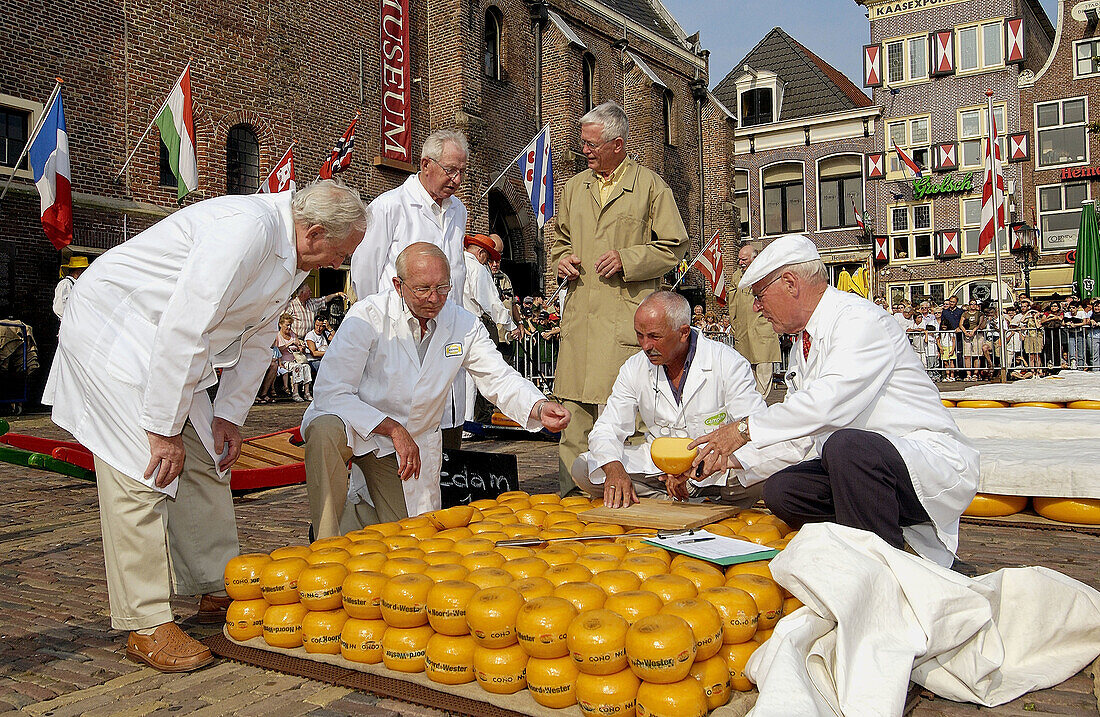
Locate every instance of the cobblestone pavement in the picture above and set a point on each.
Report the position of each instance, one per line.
(59, 656)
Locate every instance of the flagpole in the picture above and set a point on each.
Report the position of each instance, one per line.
(152, 122)
(692, 262)
(514, 160)
(991, 129)
(33, 136)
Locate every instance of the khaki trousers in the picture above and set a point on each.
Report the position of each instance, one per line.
(146, 535)
(763, 373)
(326, 457)
(646, 486)
(574, 440)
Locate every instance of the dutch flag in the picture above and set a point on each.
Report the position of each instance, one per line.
(49, 156)
(538, 175)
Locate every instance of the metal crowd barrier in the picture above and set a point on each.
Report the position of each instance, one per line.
(535, 358)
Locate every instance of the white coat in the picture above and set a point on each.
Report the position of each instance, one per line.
(720, 388)
(404, 216)
(862, 373)
(481, 298)
(151, 320)
(372, 371)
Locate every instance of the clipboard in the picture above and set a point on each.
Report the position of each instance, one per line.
(713, 548)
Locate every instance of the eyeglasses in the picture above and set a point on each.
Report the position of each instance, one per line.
(423, 292)
(452, 172)
(757, 297)
(595, 145)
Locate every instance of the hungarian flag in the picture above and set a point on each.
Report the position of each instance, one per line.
(340, 159)
(177, 131)
(993, 194)
(282, 176)
(709, 262)
(908, 161)
(49, 155)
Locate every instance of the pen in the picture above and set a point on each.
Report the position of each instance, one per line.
(694, 540)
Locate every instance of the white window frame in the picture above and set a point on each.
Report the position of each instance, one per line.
(739, 193)
(894, 166)
(763, 188)
(1040, 214)
(910, 233)
(862, 184)
(1037, 151)
(908, 77)
(35, 109)
(983, 133)
(1095, 41)
(966, 228)
(983, 64)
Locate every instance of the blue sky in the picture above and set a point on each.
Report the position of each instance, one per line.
(833, 29)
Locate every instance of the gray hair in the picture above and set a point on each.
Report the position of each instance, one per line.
(433, 145)
(335, 207)
(675, 307)
(612, 117)
(416, 249)
(812, 271)
(750, 246)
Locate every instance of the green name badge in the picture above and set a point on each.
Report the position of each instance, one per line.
(716, 419)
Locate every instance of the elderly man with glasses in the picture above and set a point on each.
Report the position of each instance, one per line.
(382, 390)
(422, 209)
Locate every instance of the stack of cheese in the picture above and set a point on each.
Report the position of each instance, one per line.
(605, 624)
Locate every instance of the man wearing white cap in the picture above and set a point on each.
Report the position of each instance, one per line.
(862, 438)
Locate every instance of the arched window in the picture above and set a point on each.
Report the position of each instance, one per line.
(668, 117)
(783, 199)
(588, 83)
(494, 24)
(242, 160)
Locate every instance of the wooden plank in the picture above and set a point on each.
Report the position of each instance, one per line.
(661, 514)
(280, 444)
(246, 462)
(260, 453)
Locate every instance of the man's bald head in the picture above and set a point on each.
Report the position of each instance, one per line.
(673, 307)
(745, 255)
(418, 256)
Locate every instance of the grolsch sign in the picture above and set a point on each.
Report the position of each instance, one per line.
(954, 184)
(396, 94)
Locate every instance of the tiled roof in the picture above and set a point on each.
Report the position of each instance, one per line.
(646, 14)
(813, 86)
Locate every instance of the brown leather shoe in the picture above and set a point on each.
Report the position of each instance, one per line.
(212, 609)
(168, 649)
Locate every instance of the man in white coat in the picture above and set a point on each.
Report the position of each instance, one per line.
(145, 330)
(481, 298)
(425, 209)
(862, 438)
(383, 387)
(680, 384)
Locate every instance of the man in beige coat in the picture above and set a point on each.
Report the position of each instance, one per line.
(753, 337)
(617, 231)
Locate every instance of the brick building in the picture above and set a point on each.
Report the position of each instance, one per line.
(266, 74)
(1060, 146)
(930, 64)
(803, 131)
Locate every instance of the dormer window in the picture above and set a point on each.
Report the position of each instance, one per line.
(756, 106)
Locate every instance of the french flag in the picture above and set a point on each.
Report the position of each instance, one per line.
(49, 155)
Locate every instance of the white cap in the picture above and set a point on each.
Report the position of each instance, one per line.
(784, 251)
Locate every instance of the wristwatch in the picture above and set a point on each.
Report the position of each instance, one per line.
(743, 429)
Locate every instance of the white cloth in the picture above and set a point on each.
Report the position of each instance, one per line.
(372, 371)
(1028, 423)
(481, 297)
(862, 373)
(151, 320)
(402, 216)
(720, 388)
(876, 617)
(61, 295)
(904, 322)
(318, 340)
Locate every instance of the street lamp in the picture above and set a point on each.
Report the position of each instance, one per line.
(1025, 248)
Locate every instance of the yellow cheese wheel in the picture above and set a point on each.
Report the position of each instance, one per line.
(291, 551)
(483, 503)
(988, 505)
(364, 547)
(331, 554)
(519, 530)
(597, 562)
(531, 588)
(385, 529)
(489, 577)
(767, 595)
(739, 612)
(575, 500)
(616, 581)
(705, 622)
(703, 576)
(321, 631)
(502, 670)
(363, 534)
(557, 515)
(454, 534)
(446, 571)
(473, 544)
(511, 494)
(751, 515)
(320, 586)
(660, 648)
(522, 568)
(672, 455)
(403, 566)
(567, 573)
(414, 521)
(723, 530)
(1069, 510)
(436, 545)
(279, 580)
(557, 555)
(670, 587)
(361, 593)
(282, 625)
(597, 642)
(617, 550)
(334, 541)
(403, 602)
(584, 596)
(1038, 404)
(602, 528)
(760, 533)
(367, 562)
(393, 542)
(449, 659)
(446, 606)
(515, 552)
(713, 676)
(553, 682)
(685, 698)
(485, 526)
(482, 559)
(542, 626)
(403, 649)
(406, 553)
(608, 695)
(753, 567)
(981, 404)
(736, 657)
(644, 566)
(244, 619)
(1084, 404)
(633, 605)
(545, 499)
(458, 516)
(562, 530)
(242, 575)
(361, 640)
(531, 516)
(778, 522)
(949, 404)
(491, 615)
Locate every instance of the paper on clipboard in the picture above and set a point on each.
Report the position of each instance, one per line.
(714, 548)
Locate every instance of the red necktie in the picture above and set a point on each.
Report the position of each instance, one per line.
(805, 345)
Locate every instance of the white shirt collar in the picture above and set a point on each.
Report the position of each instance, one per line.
(414, 323)
(421, 193)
